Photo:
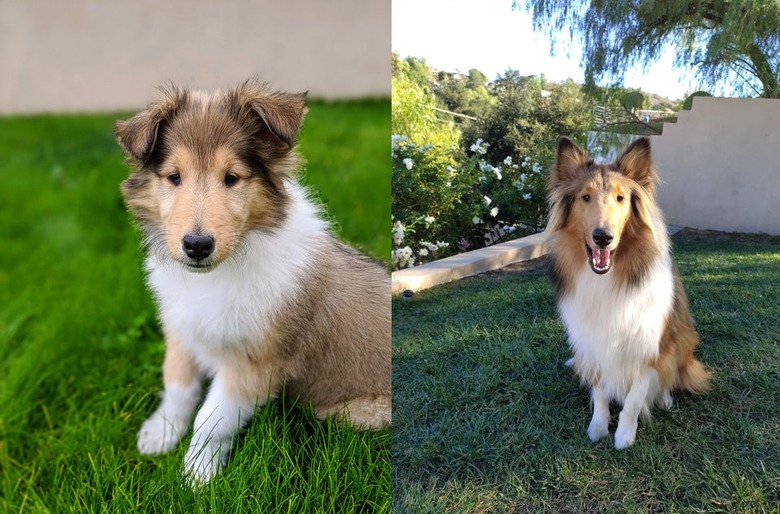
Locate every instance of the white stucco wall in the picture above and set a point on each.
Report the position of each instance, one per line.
(720, 167)
(98, 55)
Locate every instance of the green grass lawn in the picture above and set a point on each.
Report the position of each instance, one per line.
(347, 147)
(81, 350)
(488, 419)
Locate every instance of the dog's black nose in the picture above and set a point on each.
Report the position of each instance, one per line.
(603, 236)
(197, 246)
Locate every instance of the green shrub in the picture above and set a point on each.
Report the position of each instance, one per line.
(441, 210)
(451, 195)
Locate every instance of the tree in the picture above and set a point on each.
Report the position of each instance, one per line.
(415, 69)
(525, 122)
(413, 116)
(467, 95)
(724, 40)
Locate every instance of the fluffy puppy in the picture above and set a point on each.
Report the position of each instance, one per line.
(253, 289)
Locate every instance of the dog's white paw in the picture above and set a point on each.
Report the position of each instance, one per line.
(598, 429)
(666, 400)
(625, 434)
(203, 462)
(159, 435)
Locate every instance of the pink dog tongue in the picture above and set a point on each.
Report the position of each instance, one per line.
(601, 258)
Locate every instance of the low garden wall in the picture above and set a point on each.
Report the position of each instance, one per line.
(719, 165)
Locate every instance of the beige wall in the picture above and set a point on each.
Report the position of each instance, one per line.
(97, 55)
(719, 165)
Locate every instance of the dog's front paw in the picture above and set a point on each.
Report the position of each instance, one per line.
(625, 434)
(666, 400)
(203, 461)
(159, 435)
(598, 429)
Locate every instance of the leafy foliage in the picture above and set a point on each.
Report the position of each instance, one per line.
(726, 41)
(414, 116)
(413, 68)
(632, 101)
(528, 118)
(472, 179)
(440, 210)
(466, 95)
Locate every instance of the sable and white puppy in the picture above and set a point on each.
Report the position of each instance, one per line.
(619, 295)
(253, 290)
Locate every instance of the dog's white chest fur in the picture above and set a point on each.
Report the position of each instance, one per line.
(615, 329)
(235, 304)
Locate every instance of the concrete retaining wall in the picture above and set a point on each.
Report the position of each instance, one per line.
(718, 164)
(720, 167)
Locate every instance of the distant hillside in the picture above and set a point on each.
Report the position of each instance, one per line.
(661, 103)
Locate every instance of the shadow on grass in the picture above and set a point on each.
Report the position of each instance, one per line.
(487, 418)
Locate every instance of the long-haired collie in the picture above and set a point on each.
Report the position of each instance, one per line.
(621, 300)
(254, 292)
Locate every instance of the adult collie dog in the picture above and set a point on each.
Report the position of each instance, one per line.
(253, 290)
(621, 300)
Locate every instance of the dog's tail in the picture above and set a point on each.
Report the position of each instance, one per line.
(694, 377)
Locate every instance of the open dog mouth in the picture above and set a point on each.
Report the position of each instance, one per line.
(600, 259)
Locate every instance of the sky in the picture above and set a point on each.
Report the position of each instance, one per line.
(458, 35)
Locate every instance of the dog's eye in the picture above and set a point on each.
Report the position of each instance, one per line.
(174, 179)
(586, 198)
(231, 179)
(619, 198)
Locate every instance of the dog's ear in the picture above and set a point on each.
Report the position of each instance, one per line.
(138, 136)
(636, 164)
(570, 161)
(280, 114)
(569, 164)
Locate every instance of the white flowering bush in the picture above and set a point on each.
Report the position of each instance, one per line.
(440, 209)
